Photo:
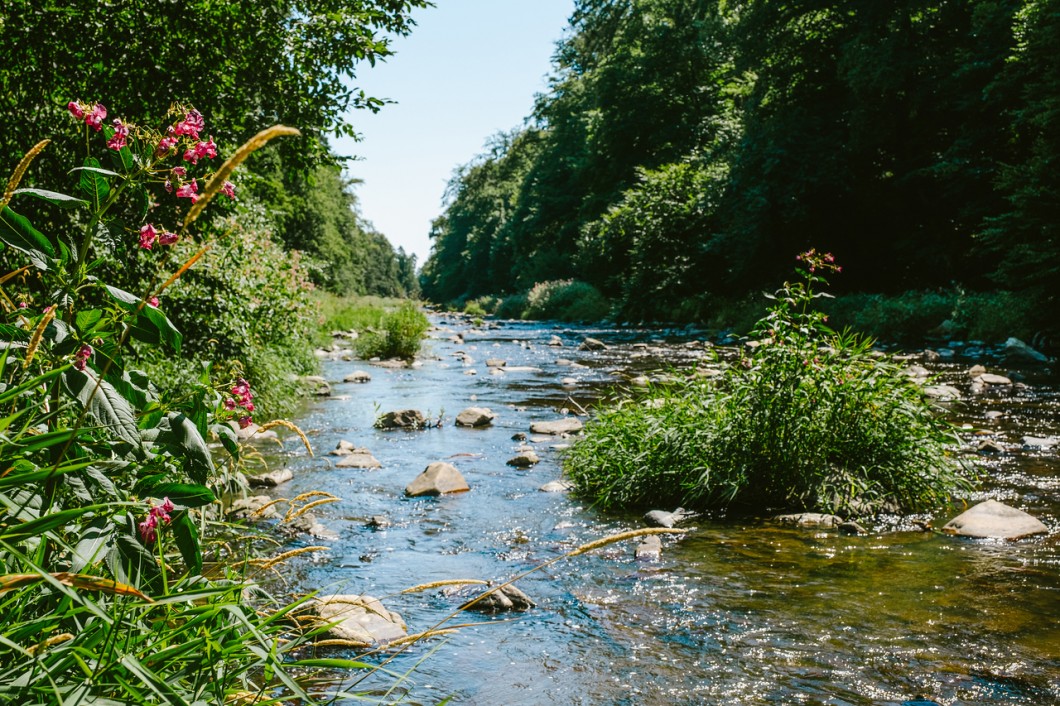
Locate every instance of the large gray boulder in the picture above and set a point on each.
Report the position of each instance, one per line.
(592, 344)
(570, 425)
(475, 417)
(994, 520)
(360, 619)
(1017, 351)
(439, 478)
(317, 385)
(402, 419)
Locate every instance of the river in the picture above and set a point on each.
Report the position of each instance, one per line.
(735, 612)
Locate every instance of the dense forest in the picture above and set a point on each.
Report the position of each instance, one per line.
(687, 149)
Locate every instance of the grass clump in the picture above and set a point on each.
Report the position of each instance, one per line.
(565, 300)
(811, 420)
(399, 334)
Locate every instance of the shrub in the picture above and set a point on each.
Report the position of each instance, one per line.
(400, 335)
(565, 300)
(512, 307)
(812, 420)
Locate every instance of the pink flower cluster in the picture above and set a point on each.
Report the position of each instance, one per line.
(814, 261)
(156, 515)
(82, 356)
(241, 397)
(199, 150)
(120, 136)
(149, 234)
(92, 115)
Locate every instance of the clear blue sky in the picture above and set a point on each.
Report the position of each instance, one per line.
(469, 69)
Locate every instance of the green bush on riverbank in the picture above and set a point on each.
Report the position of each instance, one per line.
(811, 420)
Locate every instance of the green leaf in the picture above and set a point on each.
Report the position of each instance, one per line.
(141, 202)
(166, 330)
(40, 525)
(187, 538)
(103, 404)
(17, 232)
(228, 438)
(90, 549)
(182, 494)
(93, 182)
(182, 436)
(53, 197)
(87, 319)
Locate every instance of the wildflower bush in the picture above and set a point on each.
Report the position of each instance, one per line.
(108, 485)
(812, 419)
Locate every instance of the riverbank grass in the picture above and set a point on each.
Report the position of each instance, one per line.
(810, 419)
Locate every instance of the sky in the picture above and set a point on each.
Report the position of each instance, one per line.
(469, 69)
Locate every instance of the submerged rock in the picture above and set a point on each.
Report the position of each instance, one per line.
(439, 478)
(556, 486)
(991, 519)
(809, 519)
(650, 549)
(570, 425)
(360, 619)
(307, 524)
(359, 376)
(359, 458)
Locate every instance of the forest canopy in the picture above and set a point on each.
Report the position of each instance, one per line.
(685, 150)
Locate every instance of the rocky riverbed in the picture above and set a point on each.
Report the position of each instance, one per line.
(733, 611)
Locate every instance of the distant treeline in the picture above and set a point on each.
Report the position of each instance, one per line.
(686, 150)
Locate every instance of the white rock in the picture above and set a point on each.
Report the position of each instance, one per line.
(995, 520)
(360, 376)
(438, 478)
(361, 619)
(475, 417)
(569, 425)
(359, 458)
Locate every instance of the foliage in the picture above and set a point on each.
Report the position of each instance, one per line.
(811, 420)
(512, 306)
(400, 334)
(683, 147)
(565, 300)
(104, 596)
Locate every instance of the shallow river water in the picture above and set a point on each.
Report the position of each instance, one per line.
(735, 612)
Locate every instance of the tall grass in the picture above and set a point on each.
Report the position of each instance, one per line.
(811, 420)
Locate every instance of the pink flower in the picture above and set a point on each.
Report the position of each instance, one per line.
(230, 404)
(75, 109)
(22, 305)
(249, 406)
(167, 238)
(121, 133)
(229, 190)
(188, 191)
(153, 301)
(82, 356)
(191, 125)
(148, 234)
(165, 145)
(180, 172)
(147, 529)
(245, 422)
(242, 387)
(169, 186)
(95, 118)
(199, 150)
